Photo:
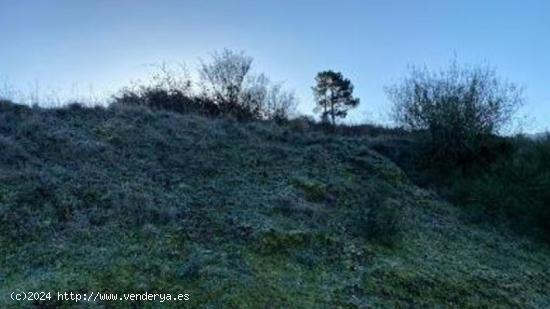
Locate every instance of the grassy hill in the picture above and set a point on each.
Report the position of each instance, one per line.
(244, 215)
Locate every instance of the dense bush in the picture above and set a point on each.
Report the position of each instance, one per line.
(156, 98)
(514, 188)
(460, 108)
(166, 89)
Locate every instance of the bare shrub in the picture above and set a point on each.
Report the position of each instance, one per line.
(223, 78)
(459, 107)
(228, 81)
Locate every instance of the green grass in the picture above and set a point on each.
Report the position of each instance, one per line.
(239, 215)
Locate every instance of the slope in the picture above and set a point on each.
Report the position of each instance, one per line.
(236, 214)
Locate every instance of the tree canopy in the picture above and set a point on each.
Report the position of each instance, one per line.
(334, 95)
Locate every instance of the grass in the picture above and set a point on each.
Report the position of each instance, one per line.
(237, 214)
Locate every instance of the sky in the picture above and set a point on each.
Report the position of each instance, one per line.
(98, 46)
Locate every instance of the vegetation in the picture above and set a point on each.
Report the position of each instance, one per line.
(334, 96)
(460, 108)
(227, 87)
(507, 186)
(244, 215)
(513, 189)
(214, 190)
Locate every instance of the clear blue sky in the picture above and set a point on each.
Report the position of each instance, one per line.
(106, 43)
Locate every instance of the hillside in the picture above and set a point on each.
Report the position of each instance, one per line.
(244, 215)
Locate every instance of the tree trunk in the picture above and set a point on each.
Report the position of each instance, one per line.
(332, 114)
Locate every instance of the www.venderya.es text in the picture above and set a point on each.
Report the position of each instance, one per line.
(48, 296)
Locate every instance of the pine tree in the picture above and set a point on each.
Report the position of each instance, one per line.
(334, 95)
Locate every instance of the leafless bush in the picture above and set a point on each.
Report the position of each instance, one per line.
(459, 107)
(227, 79)
(222, 79)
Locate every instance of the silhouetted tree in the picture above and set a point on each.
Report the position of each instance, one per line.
(334, 95)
